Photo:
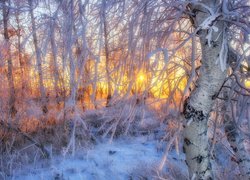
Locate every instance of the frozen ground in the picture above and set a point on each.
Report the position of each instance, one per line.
(122, 159)
(133, 157)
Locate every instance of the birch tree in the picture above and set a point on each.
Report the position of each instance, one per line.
(198, 106)
(210, 19)
(214, 23)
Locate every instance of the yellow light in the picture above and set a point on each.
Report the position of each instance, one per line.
(141, 77)
(247, 83)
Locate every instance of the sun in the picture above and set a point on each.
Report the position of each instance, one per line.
(141, 77)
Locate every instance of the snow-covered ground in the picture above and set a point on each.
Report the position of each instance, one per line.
(128, 157)
(124, 158)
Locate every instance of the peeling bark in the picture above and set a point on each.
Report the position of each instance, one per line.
(198, 106)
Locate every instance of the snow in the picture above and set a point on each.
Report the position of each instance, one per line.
(116, 160)
(163, 50)
(127, 157)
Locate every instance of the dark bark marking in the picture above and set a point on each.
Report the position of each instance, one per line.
(208, 169)
(190, 112)
(214, 44)
(235, 149)
(199, 159)
(199, 32)
(184, 150)
(214, 96)
(187, 141)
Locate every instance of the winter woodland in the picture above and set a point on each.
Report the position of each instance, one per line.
(125, 89)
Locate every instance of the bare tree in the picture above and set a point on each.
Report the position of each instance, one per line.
(21, 50)
(210, 19)
(198, 106)
(54, 57)
(106, 48)
(38, 58)
(213, 23)
(12, 94)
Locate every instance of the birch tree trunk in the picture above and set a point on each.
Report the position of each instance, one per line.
(199, 105)
(38, 59)
(12, 97)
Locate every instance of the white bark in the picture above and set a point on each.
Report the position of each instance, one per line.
(198, 106)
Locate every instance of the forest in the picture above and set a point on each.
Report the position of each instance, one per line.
(125, 89)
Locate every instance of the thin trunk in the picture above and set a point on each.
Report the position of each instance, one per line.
(146, 47)
(12, 97)
(73, 85)
(38, 59)
(20, 50)
(106, 43)
(94, 93)
(54, 56)
(199, 105)
(236, 140)
(83, 53)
